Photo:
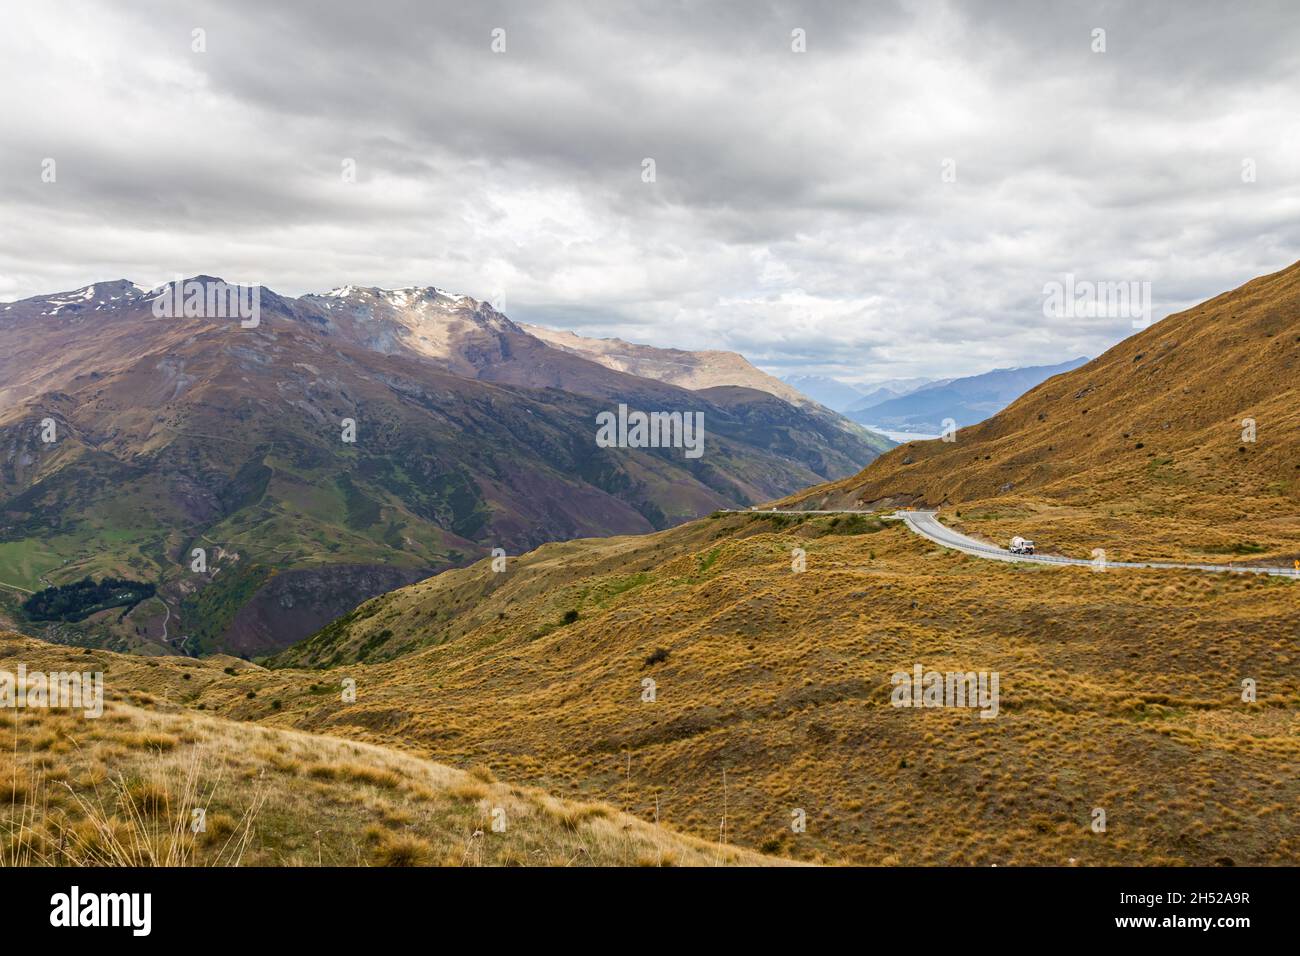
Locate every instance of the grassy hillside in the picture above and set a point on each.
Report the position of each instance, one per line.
(1119, 690)
(120, 790)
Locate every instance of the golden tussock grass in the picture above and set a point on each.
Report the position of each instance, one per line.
(367, 805)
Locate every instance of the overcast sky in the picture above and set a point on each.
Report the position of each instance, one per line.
(799, 212)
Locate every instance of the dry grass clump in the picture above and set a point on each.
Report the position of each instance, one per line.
(468, 792)
(402, 849)
(355, 773)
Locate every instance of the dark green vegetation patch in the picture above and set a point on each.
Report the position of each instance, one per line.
(80, 599)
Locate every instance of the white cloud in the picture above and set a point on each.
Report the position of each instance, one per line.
(799, 213)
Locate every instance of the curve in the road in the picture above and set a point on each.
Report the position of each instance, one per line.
(927, 525)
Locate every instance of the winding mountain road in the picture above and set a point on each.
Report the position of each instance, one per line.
(926, 524)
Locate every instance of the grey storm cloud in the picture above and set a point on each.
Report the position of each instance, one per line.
(799, 212)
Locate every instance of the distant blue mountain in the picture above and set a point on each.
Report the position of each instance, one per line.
(844, 396)
(965, 400)
(830, 392)
(895, 388)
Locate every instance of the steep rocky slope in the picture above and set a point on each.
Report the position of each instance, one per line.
(689, 369)
(709, 372)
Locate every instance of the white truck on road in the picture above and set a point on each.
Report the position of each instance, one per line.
(1021, 545)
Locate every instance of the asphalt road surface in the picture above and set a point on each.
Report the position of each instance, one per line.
(926, 524)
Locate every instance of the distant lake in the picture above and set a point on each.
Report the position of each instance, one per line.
(901, 436)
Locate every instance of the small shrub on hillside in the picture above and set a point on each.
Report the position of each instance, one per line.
(657, 656)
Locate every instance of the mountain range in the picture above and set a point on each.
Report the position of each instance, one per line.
(846, 396)
(719, 679)
(965, 401)
(469, 433)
